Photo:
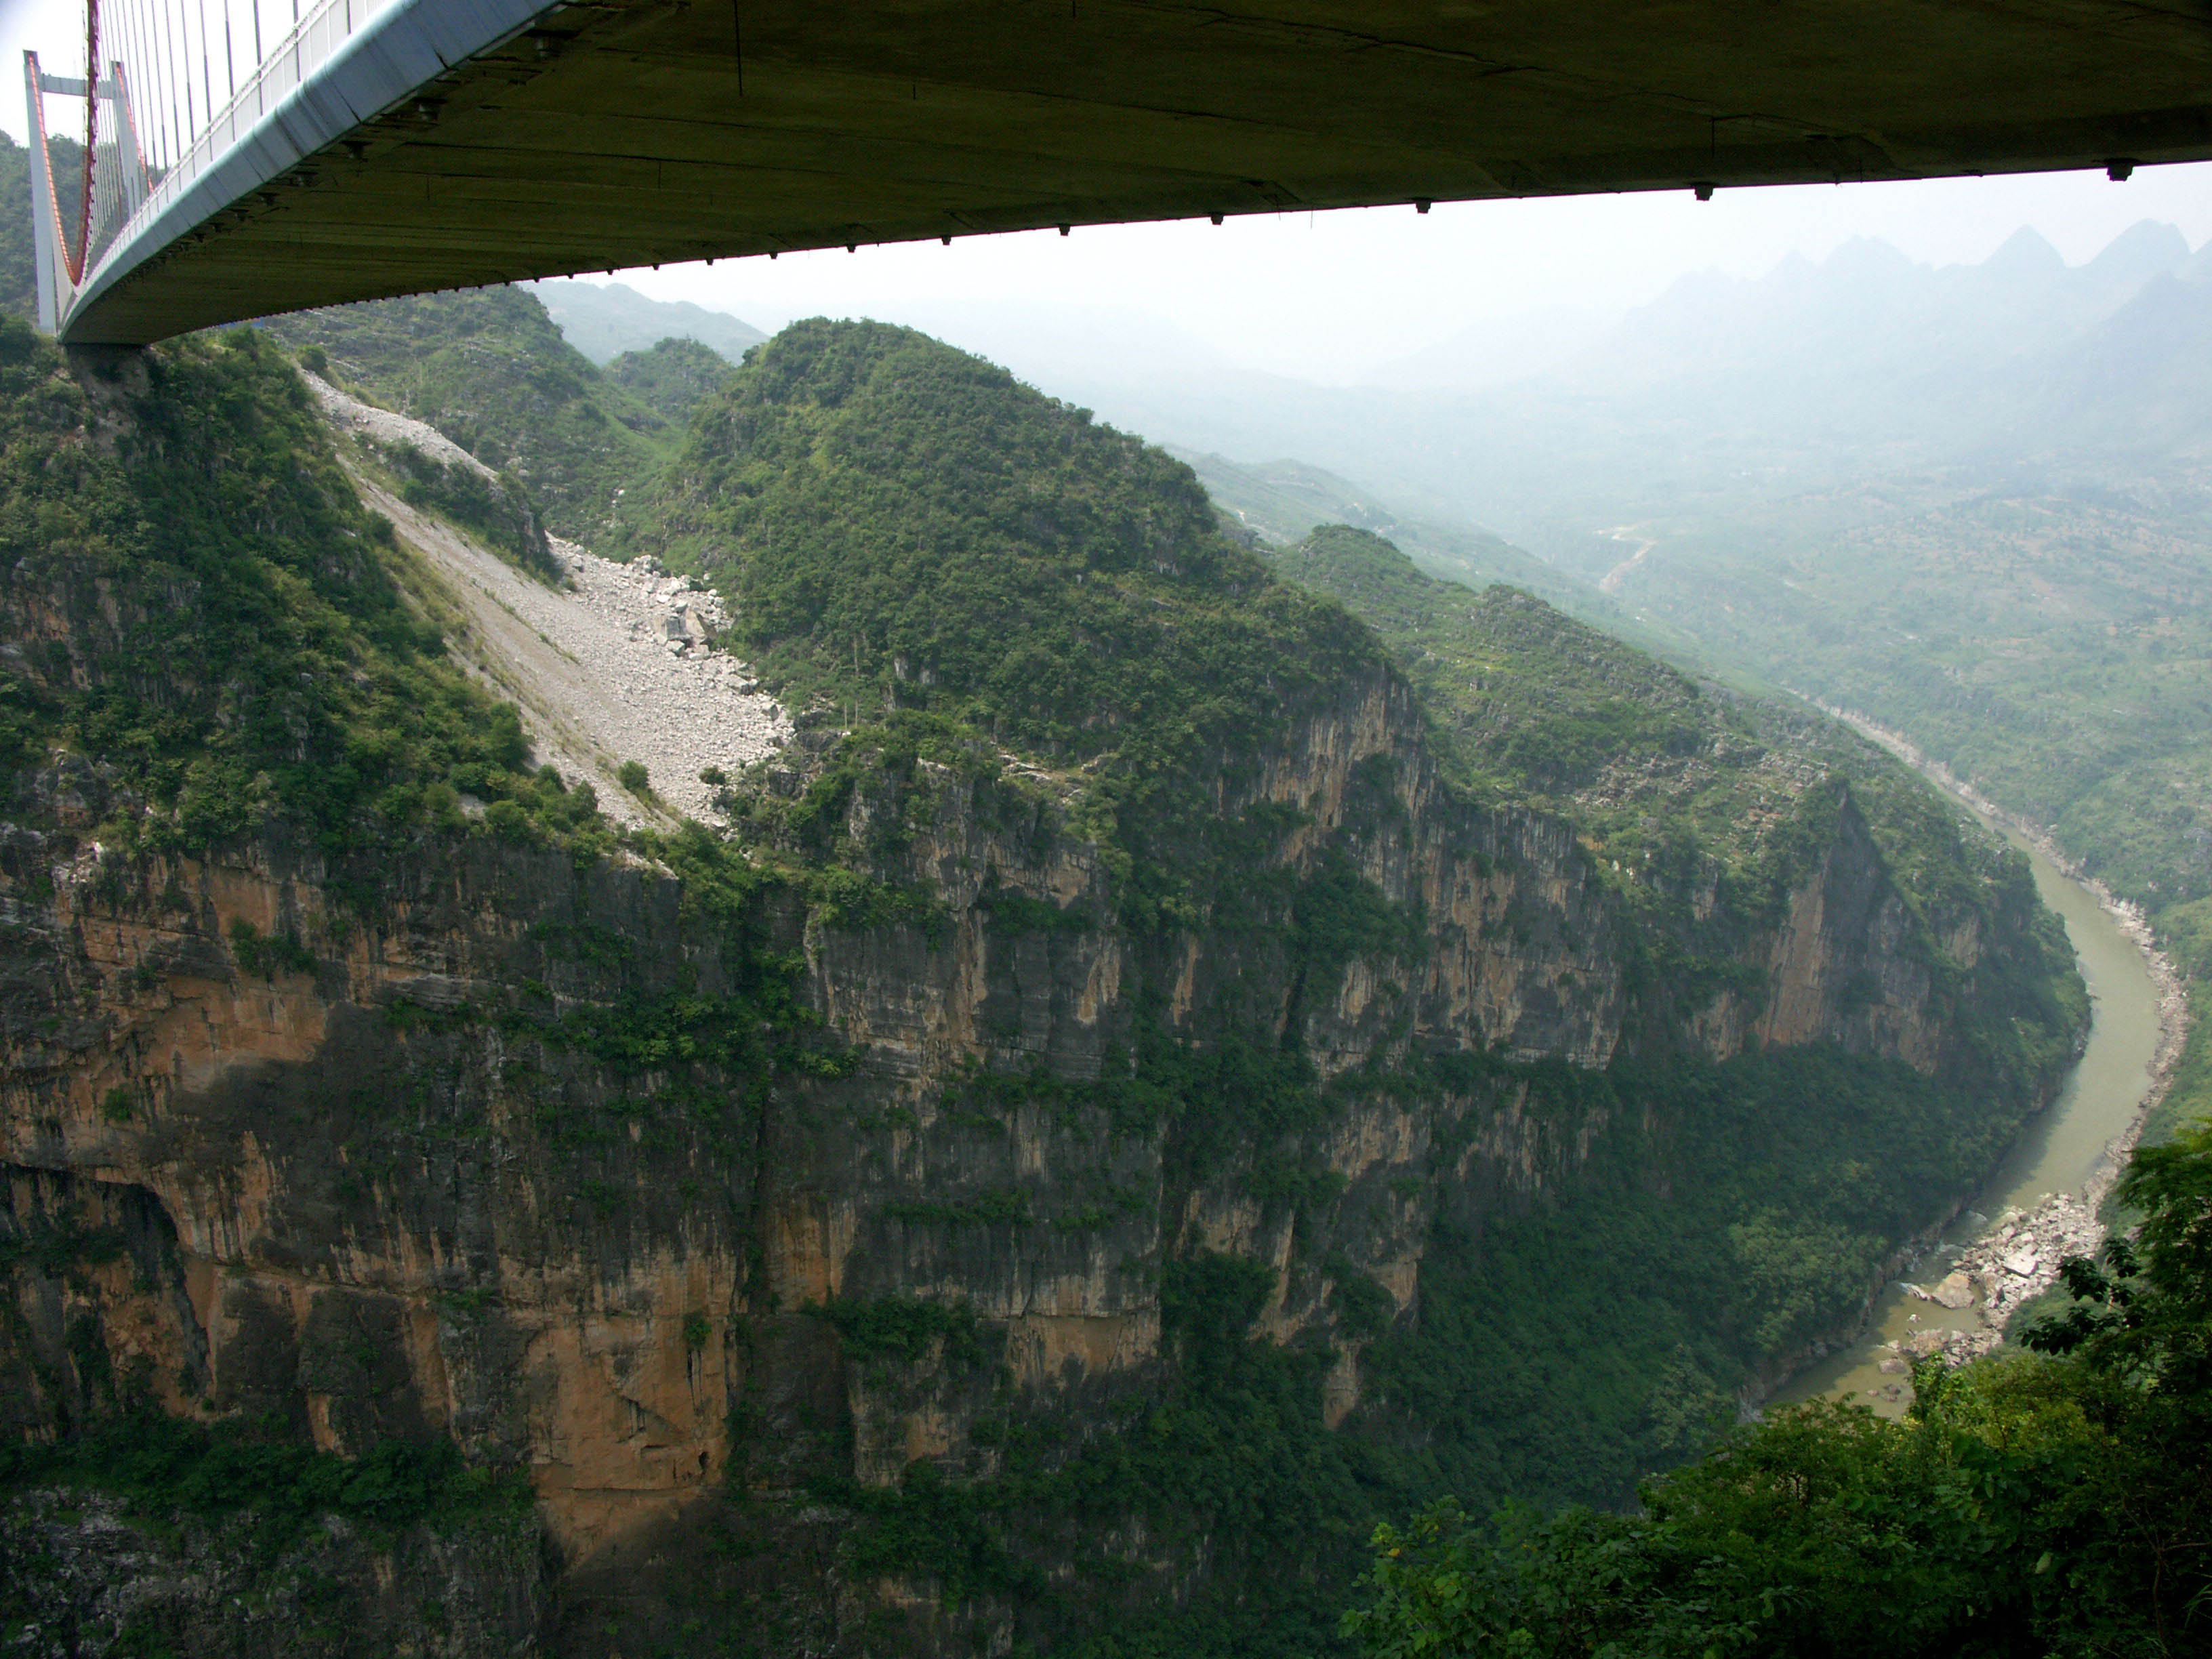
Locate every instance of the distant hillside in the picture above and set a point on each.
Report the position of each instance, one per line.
(1531, 705)
(671, 379)
(18, 292)
(604, 319)
(488, 369)
(1726, 393)
(1281, 501)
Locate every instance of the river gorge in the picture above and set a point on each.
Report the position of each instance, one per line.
(2043, 1201)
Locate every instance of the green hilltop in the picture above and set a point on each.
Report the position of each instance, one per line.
(900, 525)
(673, 378)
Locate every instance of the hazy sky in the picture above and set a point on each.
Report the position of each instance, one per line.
(1327, 295)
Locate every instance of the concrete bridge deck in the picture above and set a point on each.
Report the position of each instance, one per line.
(454, 143)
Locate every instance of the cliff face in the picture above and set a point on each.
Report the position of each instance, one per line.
(978, 1201)
(365, 1185)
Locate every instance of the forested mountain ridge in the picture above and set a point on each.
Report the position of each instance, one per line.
(1111, 1119)
(1531, 705)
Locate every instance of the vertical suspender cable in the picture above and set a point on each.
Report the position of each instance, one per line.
(142, 82)
(207, 68)
(166, 21)
(168, 16)
(118, 47)
(256, 4)
(91, 134)
(229, 58)
(150, 45)
(127, 51)
(192, 122)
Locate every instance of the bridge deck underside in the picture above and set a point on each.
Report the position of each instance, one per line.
(636, 131)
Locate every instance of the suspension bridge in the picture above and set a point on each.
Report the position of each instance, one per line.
(249, 157)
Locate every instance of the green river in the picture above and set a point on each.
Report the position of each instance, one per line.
(2057, 1153)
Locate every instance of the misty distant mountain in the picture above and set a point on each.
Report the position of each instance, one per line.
(1497, 351)
(1726, 392)
(1867, 312)
(604, 319)
(1052, 346)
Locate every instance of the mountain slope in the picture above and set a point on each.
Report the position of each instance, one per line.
(18, 285)
(673, 378)
(490, 370)
(899, 525)
(1110, 1118)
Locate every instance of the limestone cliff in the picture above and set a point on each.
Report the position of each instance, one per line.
(372, 1190)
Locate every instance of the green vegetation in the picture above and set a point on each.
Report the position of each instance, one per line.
(907, 1328)
(18, 280)
(18, 275)
(672, 379)
(1726, 1212)
(2035, 1503)
(295, 679)
(1530, 705)
(2054, 646)
(1670, 782)
(490, 370)
(1284, 502)
(902, 529)
(1565, 1347)
(900, 525)
(496, 510)
(1011, 609)
(1230, 1455)
(161, 1466)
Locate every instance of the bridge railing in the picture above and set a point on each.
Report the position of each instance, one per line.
(343, 63)
(287, 66)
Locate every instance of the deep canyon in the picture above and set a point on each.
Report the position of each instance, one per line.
(1020, 1174)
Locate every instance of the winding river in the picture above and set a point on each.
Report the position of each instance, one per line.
(2057, 1153)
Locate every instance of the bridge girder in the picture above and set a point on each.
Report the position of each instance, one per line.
(620, 133)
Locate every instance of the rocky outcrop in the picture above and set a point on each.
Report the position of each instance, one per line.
(2014, 1261)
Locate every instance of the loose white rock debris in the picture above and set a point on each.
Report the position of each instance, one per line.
(670, 699)
(618, 665)
(349, 414)
(2014, 1261)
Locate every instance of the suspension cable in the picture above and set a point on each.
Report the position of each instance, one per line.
(91, 138)
(207, 71)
